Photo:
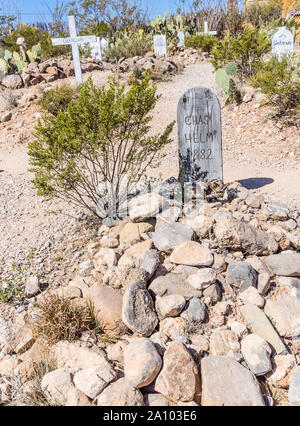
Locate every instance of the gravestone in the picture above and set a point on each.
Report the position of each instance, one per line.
(104, 45)
(96, 51)
(206, 32)
(181, 39)
(160, 45)
(282, 43)
(199, 136)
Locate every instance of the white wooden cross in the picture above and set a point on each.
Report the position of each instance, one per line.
(75, 42)
(206, 30)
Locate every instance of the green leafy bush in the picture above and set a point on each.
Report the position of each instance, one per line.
(137, 44)
(246, 50)
(280, 82)
(87, 152)
(58, 99)
(204, 42)
(32, 36)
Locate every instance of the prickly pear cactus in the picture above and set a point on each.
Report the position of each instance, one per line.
(231, 69)
(4, 67)
(222, 79)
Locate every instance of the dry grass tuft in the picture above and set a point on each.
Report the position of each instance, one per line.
(60, 319)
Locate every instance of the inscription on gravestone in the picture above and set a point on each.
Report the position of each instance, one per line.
(160, 45)
(282, 43)
(199, 136)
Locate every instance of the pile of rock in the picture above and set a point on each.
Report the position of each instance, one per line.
(202, 307)
(149, 62)
(48, 71)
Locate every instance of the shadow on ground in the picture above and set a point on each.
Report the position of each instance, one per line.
(255, 183)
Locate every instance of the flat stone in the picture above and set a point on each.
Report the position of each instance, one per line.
(282, 365)
(201, 224)
(144, 207)
(213, 292)
(179, 379)
(288, 282)
(284, 312)
(32, 286)
(223, 341)
(91, 381)
(251, 295)
(138, 310)
(225, 382)
(148, 263)
(259, 324)
(172, 235)
(58, 387)
(131, 233)
(169, 306)
(294, 389)
(107, 304)
(192, 253)
(256, 352)
(120, 394)
(142, 362)
(173, 284)
(105, 257)
(134, 252)
(195, 311)
(174, 329)
(237, 235)
(241, 275)
(287, 264)
(202, 279)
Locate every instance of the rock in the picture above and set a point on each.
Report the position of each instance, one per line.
(115, 352)
(222, 308)
(172, 235)
(241, 275)
(156, 400)
(32, 286)
(142, 363)
(75, 356)
(107, 304)
(91, 381)
(134, 252)
(179, 379)
(192, 254)
(174, 329)
(148, 263)
(200, 343)
(58, 387)
(120, 394)
(252, 201)
(294, 390)
(138, 310)
(21, 337)
(201, 225)
(144, 207)
(105, 257)
(286, 264)
(160, 341)
(239, 328)
(12, 81)
(277, 211)
(86, 268)
(131, 233)
(237, 235)
(288, 282)
(169, 306)
(173, 284)
(263, 283)
(69, 292)
(251, 295)
(213, 292)
(6, 117)
(227, 383)
(259, 324)
(282, 365)
(284, 312)
(202, 279)
(256, 353)
(223, 341)
(195, 311)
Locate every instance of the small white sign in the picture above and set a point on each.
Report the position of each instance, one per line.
(282, 43)
(104, 44)
(72, 40)
(160, 45)
(181, 39)
(96, 52)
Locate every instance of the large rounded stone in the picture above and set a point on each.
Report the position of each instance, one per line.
(169, 306)
(138, 310)
(142, 362)
(195, 311)
(256, 353)
(91, 381)
(241, 275)
(179, 378)
(284, 312)
(227, 383)
(202, 279)
(170, 236)
(285, 264)
(192, 253)
(120, 394)
(171, 284)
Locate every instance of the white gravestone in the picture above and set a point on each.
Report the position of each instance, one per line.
(160, 45)
(181, 39)
(96, 51)
(104, 45)
(282, 43)
(74, 41)
(206, 32)
(199, 136)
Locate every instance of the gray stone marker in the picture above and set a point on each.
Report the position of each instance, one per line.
(282, 43)
(199, 136)
(181, 39)
(160, 45)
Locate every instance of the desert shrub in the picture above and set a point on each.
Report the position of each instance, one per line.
(101, 141)
(50, 51)
(59, 318)
(279, 81)
(246, 50)
(204, 42)
(137, 44)
(32, 36)
(261, 14)
(57, 99)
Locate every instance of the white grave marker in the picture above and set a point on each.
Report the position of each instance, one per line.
(199, 136)
(282, 43)
(160, 45)
(96, 51)
(75, 42)
(104, 44)
(181, 39)
(206, 32)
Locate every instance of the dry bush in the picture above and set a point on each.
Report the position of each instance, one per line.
(59, 318)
